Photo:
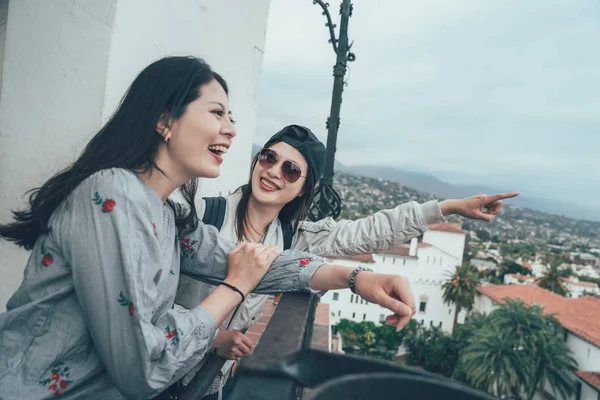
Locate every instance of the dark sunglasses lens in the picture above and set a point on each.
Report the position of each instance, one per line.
(267, 158)
(290, 171)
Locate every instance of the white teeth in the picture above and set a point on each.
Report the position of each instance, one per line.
(267, 184)
(218, 148)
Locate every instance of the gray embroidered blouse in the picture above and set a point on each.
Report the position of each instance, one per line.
(94, 317)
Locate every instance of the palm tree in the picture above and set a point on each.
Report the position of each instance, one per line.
(554, 365)
(494, 362)
(517, 352)
(552, 281)
(460, 289)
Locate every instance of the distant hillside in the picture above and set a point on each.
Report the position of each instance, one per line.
(430, 184)
(362, 196)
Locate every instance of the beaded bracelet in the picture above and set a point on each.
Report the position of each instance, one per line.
(354, 274)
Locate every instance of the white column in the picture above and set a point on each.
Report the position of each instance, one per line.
(67, 64)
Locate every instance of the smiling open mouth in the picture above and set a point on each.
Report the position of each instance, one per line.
(268, 184)
(217, 149)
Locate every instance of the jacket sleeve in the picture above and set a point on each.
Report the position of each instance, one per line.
(107, 236)
(381, 231)
(204, 257)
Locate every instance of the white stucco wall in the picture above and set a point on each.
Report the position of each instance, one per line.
(585, 353)
(452, 243)
(587, 392)
(54, 69)
(483, 304)
(67, 65)
(426, 273)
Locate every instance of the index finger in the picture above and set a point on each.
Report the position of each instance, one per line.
(404, 292)
(502, 196)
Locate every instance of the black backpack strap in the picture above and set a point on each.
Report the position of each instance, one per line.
(214, 213)
(288, 234)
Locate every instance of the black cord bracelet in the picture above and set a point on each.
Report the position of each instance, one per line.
(234, 289)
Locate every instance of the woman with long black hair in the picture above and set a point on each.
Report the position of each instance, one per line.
(94, 317)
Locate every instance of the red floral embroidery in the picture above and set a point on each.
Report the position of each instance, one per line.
(57, 382)
(47, 259)
(187, 248)
(154, 227)
(124, 301)
(305, 261)
(107, 205)
(173, 334)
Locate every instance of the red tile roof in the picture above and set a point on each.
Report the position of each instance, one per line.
(444, 227)
(577, 315)
(593, 378)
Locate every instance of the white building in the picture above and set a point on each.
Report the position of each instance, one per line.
(66, 64)
(426, 266)
(517, 279)
(579, 288)
(575, 287)
(483, 265)
(578, 317)
(586, 270)
(538, 269)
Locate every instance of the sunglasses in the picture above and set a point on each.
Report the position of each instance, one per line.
(290, 171)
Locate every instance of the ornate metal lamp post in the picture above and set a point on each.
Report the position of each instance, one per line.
(327, 202)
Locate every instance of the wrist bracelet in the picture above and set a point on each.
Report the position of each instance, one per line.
(354, 274)
(234, 289)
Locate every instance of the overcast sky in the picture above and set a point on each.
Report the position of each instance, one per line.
(503, 93)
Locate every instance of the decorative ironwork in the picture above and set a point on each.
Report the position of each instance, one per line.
(327, 202)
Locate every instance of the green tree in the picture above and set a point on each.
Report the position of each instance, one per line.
(511, 267)
(431, 348)
(460, 289)
(516, 352)
(366, 338)
(552, 281)
(493, 362)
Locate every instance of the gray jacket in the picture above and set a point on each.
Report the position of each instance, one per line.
(381, 231)
(94, 317)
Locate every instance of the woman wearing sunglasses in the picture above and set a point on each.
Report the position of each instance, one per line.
(282, 180)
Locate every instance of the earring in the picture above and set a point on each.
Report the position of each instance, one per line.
(167, 137)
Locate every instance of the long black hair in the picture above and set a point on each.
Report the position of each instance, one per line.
(128, 140)
(293, 212)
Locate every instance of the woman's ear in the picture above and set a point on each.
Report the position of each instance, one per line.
(163, 127)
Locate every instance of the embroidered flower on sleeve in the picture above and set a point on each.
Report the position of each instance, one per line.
(58, 380)
(173, 335)
(187, 248)
(305, 261)
(124, 301)
(47, 257)
(107, 204)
